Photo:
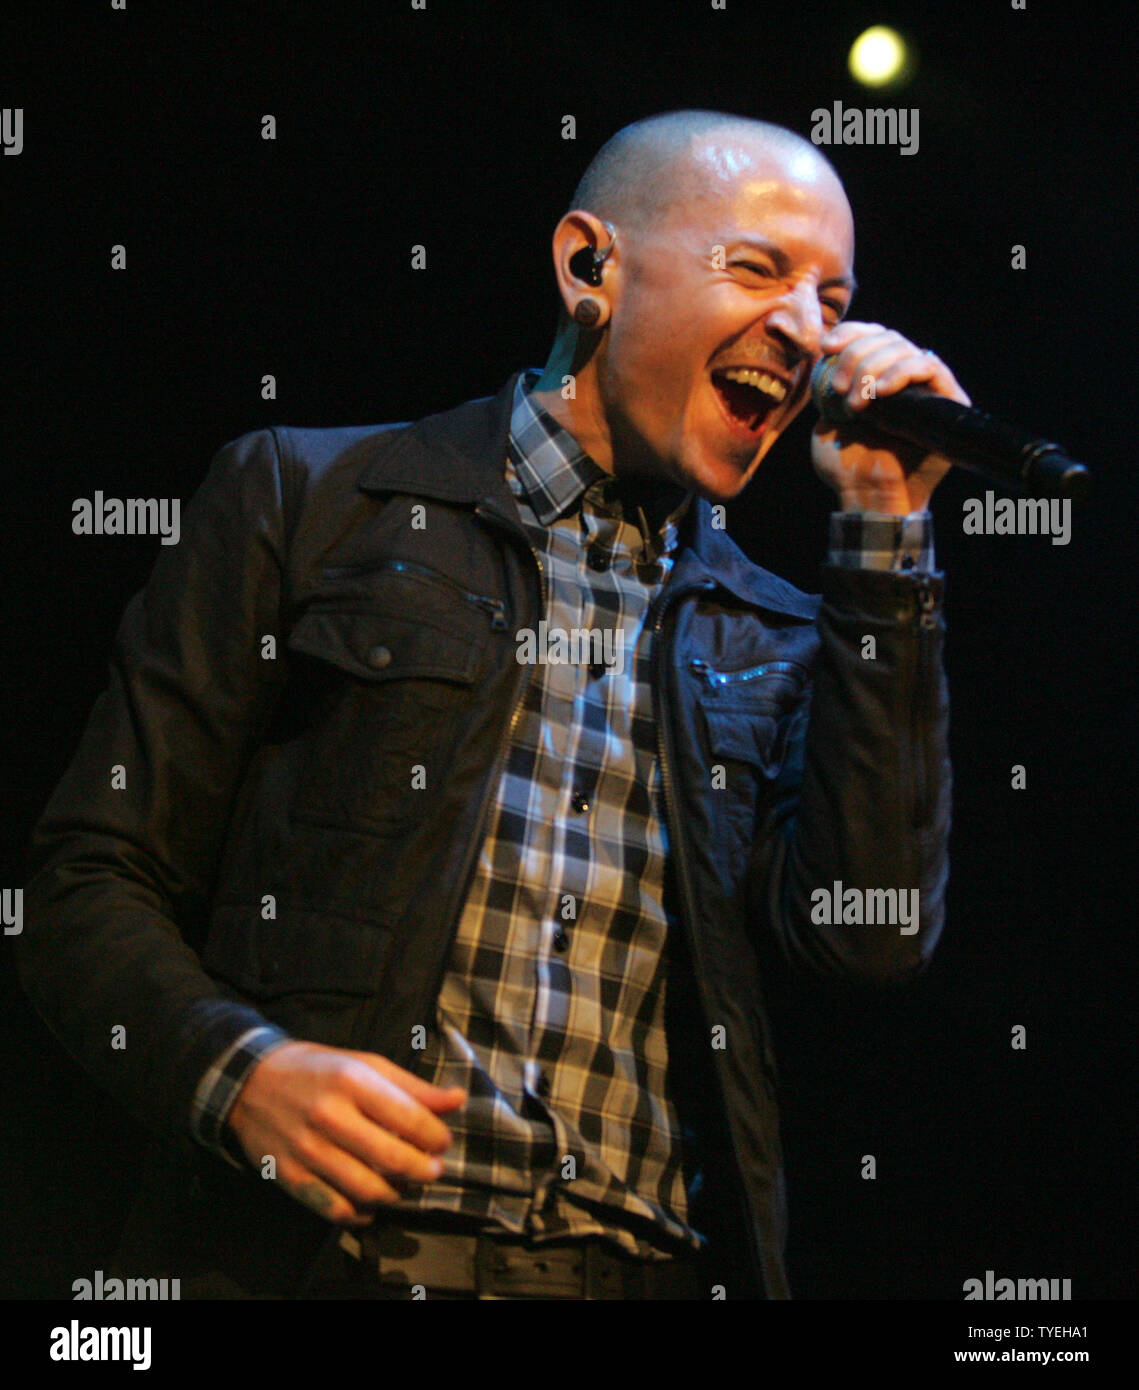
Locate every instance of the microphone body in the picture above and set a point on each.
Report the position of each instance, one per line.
(996, 450)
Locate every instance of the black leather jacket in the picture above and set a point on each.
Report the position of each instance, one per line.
(309, 638)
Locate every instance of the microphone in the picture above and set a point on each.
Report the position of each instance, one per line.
(996, 450)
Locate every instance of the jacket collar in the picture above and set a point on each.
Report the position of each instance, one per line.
(458, 456)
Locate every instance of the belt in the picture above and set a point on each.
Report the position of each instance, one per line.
(493, 1265)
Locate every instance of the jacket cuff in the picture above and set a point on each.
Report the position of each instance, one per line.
(887, 596)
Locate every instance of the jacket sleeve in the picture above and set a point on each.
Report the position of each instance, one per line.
(123, 857)
(864, 797)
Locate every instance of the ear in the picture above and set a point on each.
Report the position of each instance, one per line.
(579, 238)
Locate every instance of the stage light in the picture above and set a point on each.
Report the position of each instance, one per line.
(878, 56)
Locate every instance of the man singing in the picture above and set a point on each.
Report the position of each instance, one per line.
(437, 938)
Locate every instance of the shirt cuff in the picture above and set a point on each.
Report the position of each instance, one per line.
(878, 541)
(218, 1089)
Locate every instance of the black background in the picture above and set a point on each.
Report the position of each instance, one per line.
(443, 127)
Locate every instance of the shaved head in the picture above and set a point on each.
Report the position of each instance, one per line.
(645, 168)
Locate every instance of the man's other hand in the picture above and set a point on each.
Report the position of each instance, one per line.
(873, 472)
(348, 1130)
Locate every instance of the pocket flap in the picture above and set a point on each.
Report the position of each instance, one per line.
(302, 952)
(378, 645)
(740, 734)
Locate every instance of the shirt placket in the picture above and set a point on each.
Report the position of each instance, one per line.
(594, 533)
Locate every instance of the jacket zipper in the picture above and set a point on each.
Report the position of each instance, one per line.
(475, 841)
(495, 607)
(675, 831)
(717, 679)
(927, 622)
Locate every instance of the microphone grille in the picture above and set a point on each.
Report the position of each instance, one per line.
(830, 405)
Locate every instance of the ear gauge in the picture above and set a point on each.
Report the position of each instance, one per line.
(586, 312)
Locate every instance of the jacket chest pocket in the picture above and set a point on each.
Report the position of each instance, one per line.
(747, 716)
(388, 686)
(309, 972)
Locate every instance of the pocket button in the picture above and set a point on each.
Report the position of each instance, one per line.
(379, 657)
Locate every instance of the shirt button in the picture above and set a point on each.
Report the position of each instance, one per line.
(561, 940)
(598, 560)
(597, 668)
(379, 657)
(580, 802)
(544, 1086)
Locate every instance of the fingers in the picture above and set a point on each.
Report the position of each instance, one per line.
(337, 1185)
(383, 1099)
(835, 339)
(372, 1138)
(870, 356)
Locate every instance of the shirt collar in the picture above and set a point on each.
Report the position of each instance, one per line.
(555, 472)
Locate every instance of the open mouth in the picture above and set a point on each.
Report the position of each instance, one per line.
(748, 396)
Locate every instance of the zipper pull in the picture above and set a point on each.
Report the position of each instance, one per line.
(497, 609)
(926, 603)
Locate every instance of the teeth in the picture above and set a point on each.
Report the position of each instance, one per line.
(760, 380)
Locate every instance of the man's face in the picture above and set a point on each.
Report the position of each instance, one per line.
(719, 309)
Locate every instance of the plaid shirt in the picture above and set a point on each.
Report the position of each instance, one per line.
(551, 1012)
